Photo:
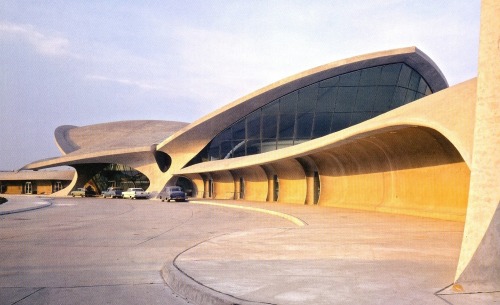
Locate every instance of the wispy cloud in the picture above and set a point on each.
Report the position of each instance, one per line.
(148, 85)
(45, 44)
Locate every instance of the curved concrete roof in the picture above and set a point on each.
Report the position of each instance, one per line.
(107, 142)
(114, 135)
(203, 130)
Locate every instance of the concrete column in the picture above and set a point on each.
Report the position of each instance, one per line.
(479, 267)
(270, 188)
(310, 188)
(237, 186)
(206, 188)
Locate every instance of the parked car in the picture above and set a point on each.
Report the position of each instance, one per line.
(172, 193)
(112, 192)
(82, 192)
(135, 193)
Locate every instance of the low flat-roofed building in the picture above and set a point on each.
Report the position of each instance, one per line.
(35, 182)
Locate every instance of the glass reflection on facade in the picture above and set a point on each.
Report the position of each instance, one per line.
(317, 110)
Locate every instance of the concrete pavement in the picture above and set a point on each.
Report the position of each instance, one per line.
(226, 252)
(339, 257)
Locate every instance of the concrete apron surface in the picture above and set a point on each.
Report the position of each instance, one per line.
(339, 257)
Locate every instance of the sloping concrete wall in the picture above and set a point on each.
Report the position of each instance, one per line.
(292, 181)
(413, 171)
(479, 265)
(223, 185)
(255, 180)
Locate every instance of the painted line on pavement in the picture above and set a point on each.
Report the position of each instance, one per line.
(288, 217)
(36, 205)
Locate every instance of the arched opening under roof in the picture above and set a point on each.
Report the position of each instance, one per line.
(187, 186)
(103, 175)
(410, 170)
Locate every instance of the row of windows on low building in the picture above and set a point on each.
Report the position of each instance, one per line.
(32, 187)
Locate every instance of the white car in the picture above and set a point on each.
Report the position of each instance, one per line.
(135, 193)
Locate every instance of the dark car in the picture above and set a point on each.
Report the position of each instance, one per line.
(172, 193)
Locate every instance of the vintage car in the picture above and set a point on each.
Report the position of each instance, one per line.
(112, 192)
(82, 192)
(135, 193)
(172, 193)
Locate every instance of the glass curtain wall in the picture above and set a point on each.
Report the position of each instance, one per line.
(118, 175)
(318, 110)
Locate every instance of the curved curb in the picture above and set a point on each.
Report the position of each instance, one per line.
(36, 205)
(297, 221)
(195, 292)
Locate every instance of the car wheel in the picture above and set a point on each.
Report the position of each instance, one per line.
(73, 195)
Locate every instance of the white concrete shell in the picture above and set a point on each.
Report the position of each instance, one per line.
(130, 143)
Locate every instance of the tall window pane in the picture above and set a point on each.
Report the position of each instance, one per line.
(253, 125)
(399, 97)
(410, 96)
(239, 148)
(370, 76)
(286, 126)
(322, 123)
(307, 99)
(238, 130)
(365, 98)
(288, 103)
(390, 74)
(414, 81)
(383, 98)
(422, 85)
(340, 121)
(404, 76)
(326, 99)
(226, 149)
(345, 99)
(269, 126)
(304, 125)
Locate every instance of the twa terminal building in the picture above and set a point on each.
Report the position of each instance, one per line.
(379, 132)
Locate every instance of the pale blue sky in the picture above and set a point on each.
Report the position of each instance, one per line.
(87, 62)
